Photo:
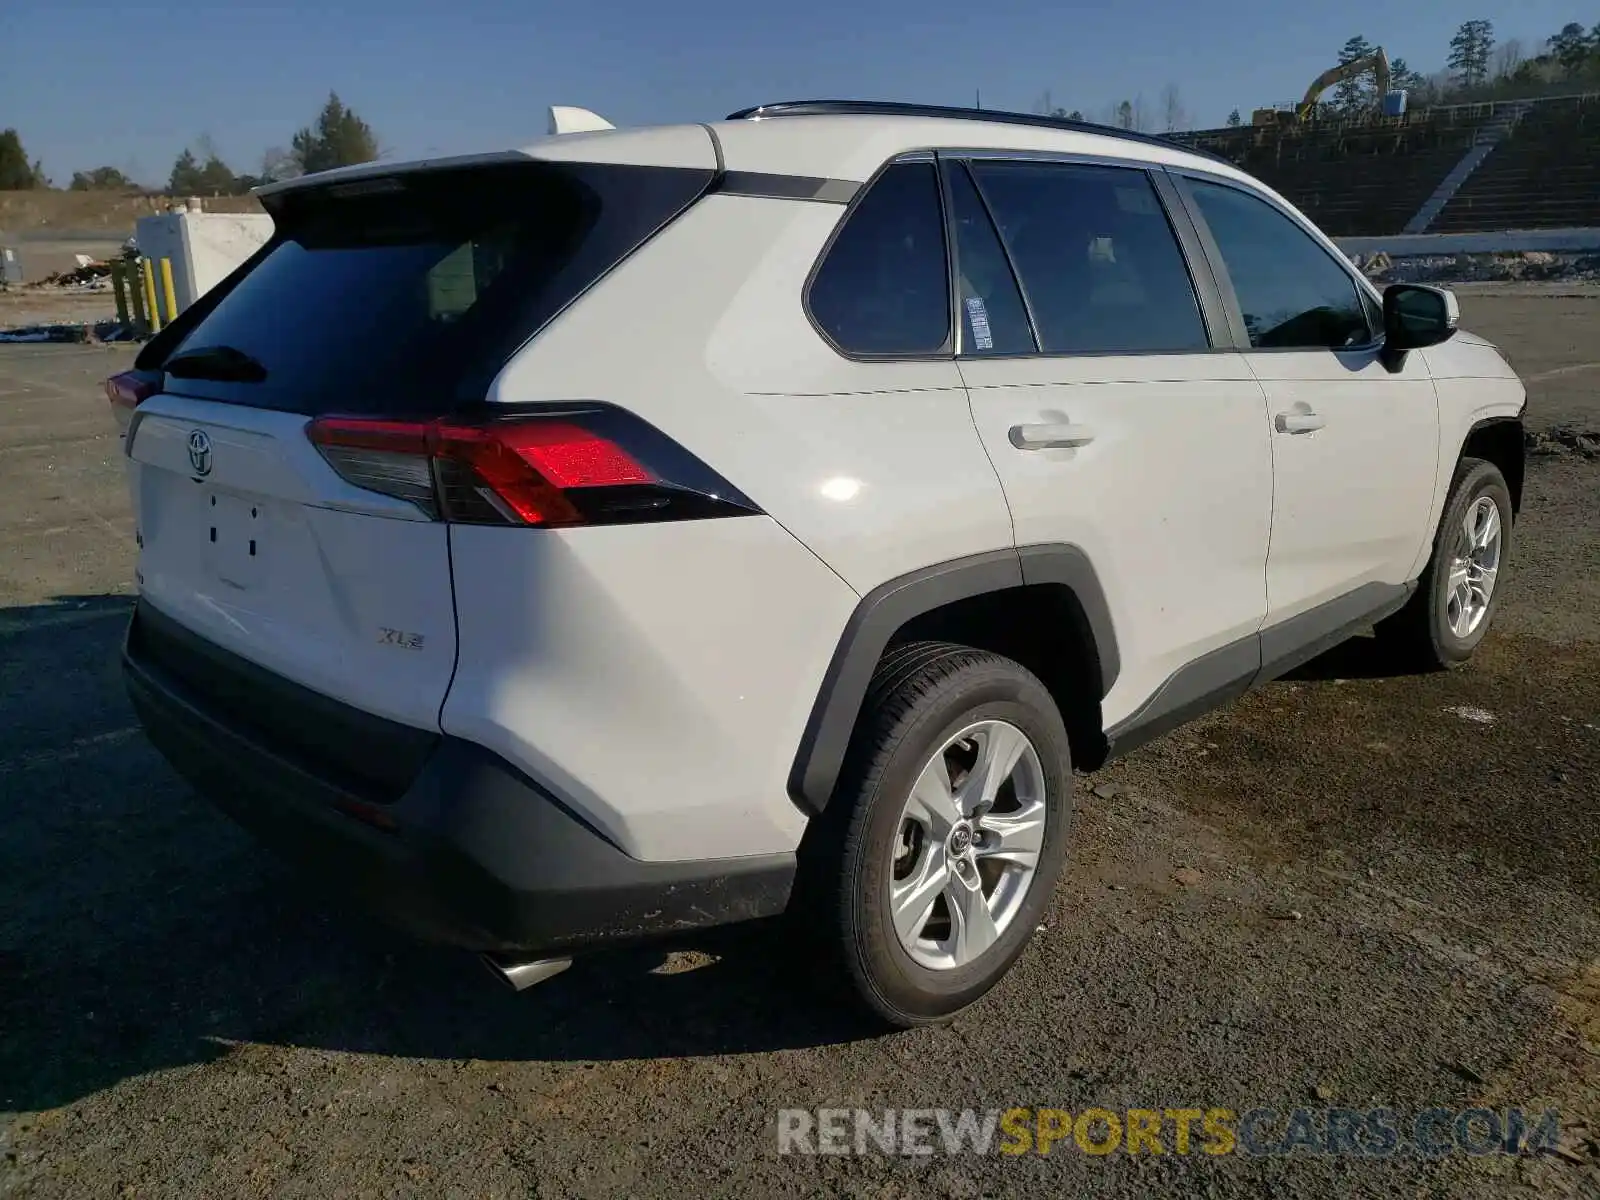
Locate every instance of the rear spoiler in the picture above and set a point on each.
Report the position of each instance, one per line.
(563, 119)
(355, 174)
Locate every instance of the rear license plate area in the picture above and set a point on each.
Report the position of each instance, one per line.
(235, 529)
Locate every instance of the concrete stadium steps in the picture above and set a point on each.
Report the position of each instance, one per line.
(1355, 178)
(1489, 135)
(1432, 168)
(1546, 175)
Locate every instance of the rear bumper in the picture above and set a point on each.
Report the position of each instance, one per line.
(472, 854)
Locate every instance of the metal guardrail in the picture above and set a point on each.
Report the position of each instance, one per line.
(1416, 116)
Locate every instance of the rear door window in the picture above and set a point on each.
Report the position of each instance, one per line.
(883, 288)
(406, 294)
(1292, 293)
(1099, 263)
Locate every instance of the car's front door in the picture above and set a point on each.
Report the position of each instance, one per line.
(1354, 442)
(1114, 423)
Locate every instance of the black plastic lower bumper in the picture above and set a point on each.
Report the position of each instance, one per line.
(473, 854)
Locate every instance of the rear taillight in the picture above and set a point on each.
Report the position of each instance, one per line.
(130, 389)
(595, 465)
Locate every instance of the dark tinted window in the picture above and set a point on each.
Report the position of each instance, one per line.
(884, 287)
(1292, 292)
(993, 320)
(1100, 265)
(408, 293)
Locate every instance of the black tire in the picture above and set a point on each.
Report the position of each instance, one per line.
(921, 696)
(1419, 635)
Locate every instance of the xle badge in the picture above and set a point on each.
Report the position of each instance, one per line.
(399, 637)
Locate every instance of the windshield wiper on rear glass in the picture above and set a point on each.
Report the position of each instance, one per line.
(227, 364)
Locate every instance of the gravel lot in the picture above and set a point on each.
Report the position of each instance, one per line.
(1347, 889)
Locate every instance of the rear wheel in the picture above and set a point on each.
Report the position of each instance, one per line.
(944, 841)
(1456, 598)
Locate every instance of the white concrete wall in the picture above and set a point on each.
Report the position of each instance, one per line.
(219, 242)
(162, 237)
(1507, 241)
(204, 247)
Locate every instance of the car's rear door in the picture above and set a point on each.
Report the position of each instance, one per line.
(1117, 422)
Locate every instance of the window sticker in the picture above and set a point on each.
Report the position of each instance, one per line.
(978, 318)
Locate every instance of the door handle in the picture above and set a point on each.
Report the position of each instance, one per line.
(1298, 422)
(1050, 436)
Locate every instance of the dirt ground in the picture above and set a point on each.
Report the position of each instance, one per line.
(21, 307)
(1349, 889)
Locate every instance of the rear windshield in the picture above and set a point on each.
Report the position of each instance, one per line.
(407, 294)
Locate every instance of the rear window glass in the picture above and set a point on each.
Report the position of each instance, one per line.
(407, 294)
(884, 287)
(1101, 268)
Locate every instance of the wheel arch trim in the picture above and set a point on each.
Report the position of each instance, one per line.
(885, 610)
(1514, 424)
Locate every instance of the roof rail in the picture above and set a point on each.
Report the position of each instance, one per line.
(892, 108)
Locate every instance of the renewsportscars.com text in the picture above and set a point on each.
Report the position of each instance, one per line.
(1363, 1133)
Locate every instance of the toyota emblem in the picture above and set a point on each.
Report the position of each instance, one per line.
(200, 452)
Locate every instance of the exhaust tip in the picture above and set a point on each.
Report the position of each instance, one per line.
(521, 974)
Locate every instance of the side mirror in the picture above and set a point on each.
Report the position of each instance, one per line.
(1415, 316)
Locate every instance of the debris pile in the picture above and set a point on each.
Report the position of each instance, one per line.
(1373, 266)
(89, 274)
(97, 331)
(1525, 266)
(1561, 440)
(90, 332)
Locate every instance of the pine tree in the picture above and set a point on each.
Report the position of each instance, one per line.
(185, 177)
(16, 172)
(1354, 97)
(101, 179)
(339, 139)
(1571, 48)
(1470, 49)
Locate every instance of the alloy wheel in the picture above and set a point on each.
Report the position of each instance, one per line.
(968, 845)
(1474, 567)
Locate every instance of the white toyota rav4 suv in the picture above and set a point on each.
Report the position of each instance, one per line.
(653, 529)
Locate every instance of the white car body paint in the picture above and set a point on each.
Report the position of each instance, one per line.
(657, 678)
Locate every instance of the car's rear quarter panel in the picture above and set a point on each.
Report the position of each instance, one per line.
(875, 466)
(656, 678)
(660, 676)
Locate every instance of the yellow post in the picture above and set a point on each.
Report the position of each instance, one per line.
(130, 276)
(147, 271)
(166, 287)
(119, 285)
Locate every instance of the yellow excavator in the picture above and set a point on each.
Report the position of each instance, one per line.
(1377, 62)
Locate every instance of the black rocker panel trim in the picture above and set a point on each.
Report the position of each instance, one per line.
(1230, 671)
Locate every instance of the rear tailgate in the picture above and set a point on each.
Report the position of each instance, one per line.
(250, 539)
(394, 297)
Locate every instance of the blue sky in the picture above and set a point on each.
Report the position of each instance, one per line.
(92, 82)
